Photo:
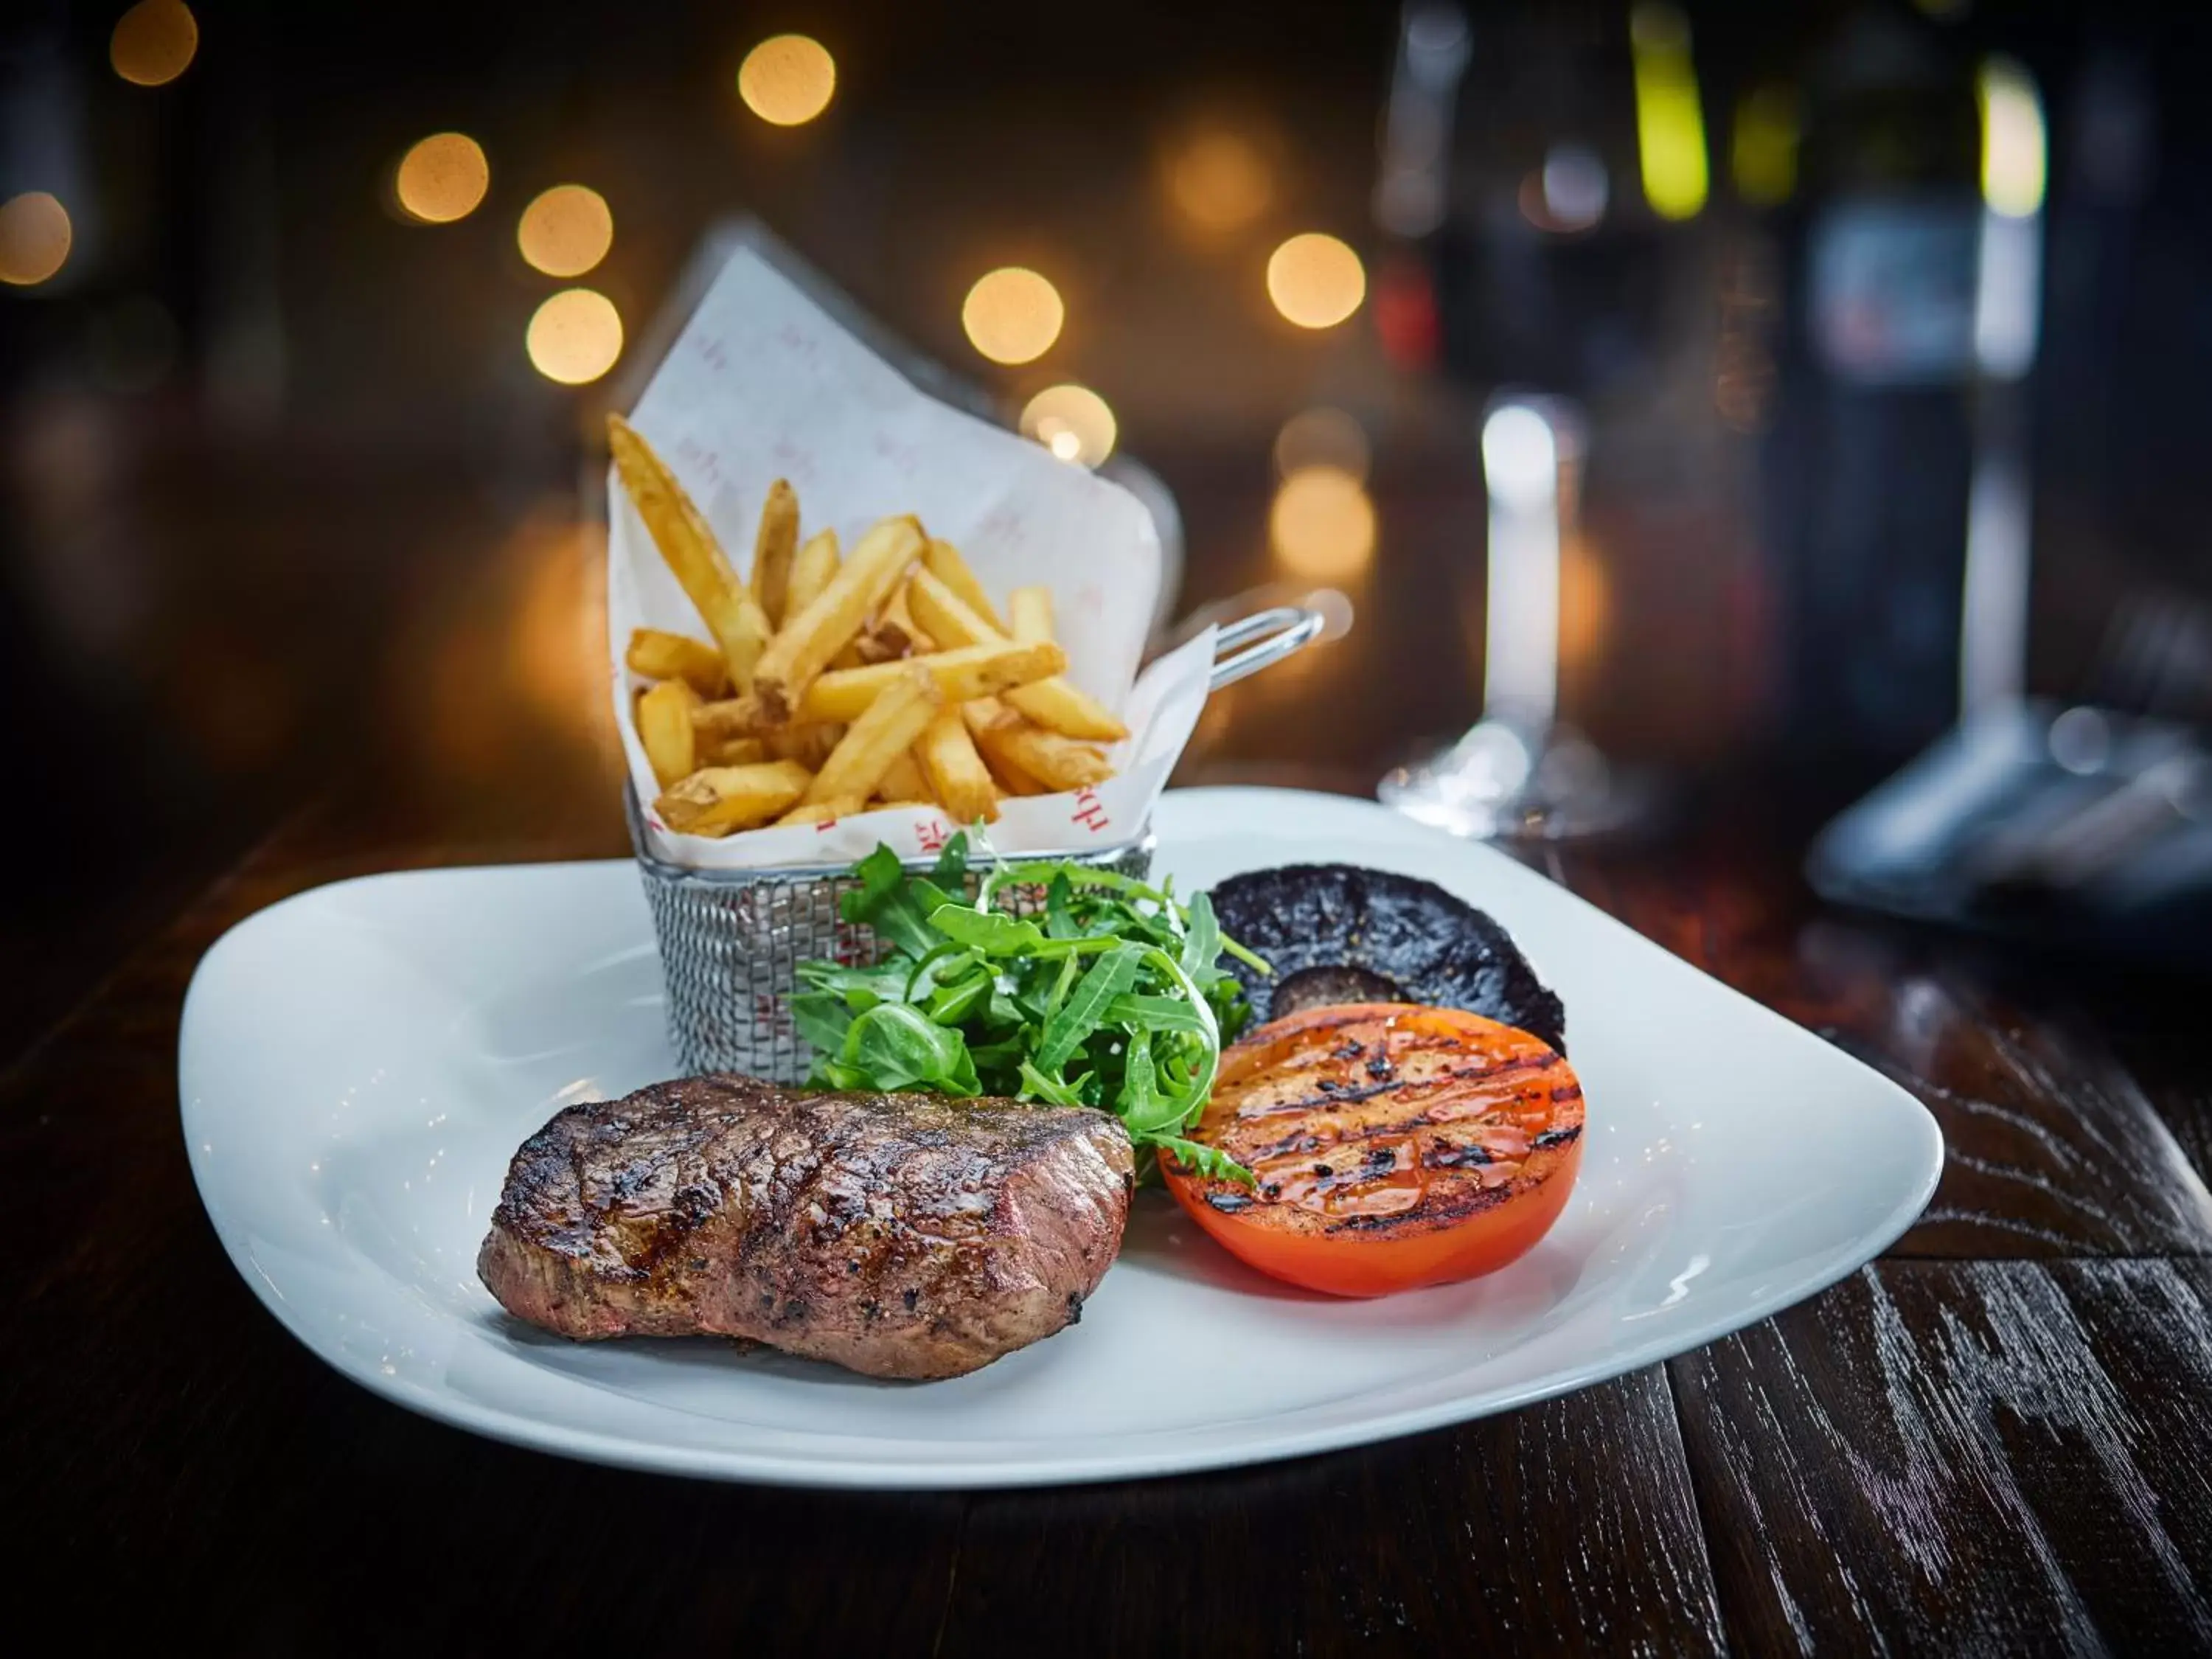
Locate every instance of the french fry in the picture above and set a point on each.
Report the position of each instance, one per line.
(803, 648)
(1011, 779)
(663, 727)
(899, 615)
(728, 751)
(700, 566)
(975, 671)
(902, 779)
(943, 561)
(774, 548)
(882, 642)
(810, 745)
(955, 773)
(811, 571)
(883, 732)
(1030, 610)
(1059, 762)
(663, 656)
(717, 800)
(1053, 702)
(945, 617)
(824, 812)
(729, 720)
(1058, 705)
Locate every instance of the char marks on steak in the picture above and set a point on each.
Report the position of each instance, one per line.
(909, 1236)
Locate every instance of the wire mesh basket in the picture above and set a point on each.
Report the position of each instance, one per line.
(731, 940)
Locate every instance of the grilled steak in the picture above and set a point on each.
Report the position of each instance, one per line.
(901, 1234)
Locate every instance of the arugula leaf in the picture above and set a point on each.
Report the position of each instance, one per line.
(953, 1005)
(887, 902)
(992, 932)
(950, 871)
(1049, 1089)
(1203, 942)
(860, 986)
(822, 1018)
(1146, 1111)
(1118, 982)
(1158, 1012)
(1079, 1015)
(897, 1047)
(1209, 1161)
(1060, 920)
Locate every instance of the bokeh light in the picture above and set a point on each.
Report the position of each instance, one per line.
(153, 42)
(1315, 280)
(1520, 456)
(1670, 121)
(787, 80)
(565, 231)
(34, 237)
(1321, 436)
(1013, 315)
(1219, 181)
(1323, 526)
(1763, 153)
(1568, 194)
(442, 178)
(1073, 421)
(2014, 149)
(576, 337)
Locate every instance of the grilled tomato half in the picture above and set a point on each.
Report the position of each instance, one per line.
(1392, 1147)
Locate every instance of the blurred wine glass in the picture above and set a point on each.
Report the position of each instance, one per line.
(1521, 771)
(1510, 149)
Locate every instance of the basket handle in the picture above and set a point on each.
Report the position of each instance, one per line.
(1243, 647)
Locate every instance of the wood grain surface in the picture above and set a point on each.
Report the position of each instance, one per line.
(1954, 1457)
(1571, 1522)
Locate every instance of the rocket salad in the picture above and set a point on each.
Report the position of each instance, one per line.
(1109, 993)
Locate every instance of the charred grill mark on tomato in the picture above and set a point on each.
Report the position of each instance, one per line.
(1334, 1092)
(1445, 1156)
(1475, 1118)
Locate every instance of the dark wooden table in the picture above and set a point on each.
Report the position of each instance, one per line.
(1995, 1439)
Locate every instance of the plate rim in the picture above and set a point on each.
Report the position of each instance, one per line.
(1140, 1462)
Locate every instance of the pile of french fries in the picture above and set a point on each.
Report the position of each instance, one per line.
(835, 684)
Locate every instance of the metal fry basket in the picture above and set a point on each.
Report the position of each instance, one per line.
(731, 940)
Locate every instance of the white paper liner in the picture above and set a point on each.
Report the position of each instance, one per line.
(762, 385)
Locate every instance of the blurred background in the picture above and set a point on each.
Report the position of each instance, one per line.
(1856, 351)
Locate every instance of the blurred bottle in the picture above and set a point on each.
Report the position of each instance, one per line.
(1510, 159)
(1868, 462)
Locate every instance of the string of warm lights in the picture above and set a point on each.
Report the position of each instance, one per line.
(1013, 315)
(152, 44)
(565, 231)
(442, 178)
(34, 237)
(575, 336)
(1219, 180)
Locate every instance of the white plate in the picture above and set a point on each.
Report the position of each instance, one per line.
(360, 1062)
